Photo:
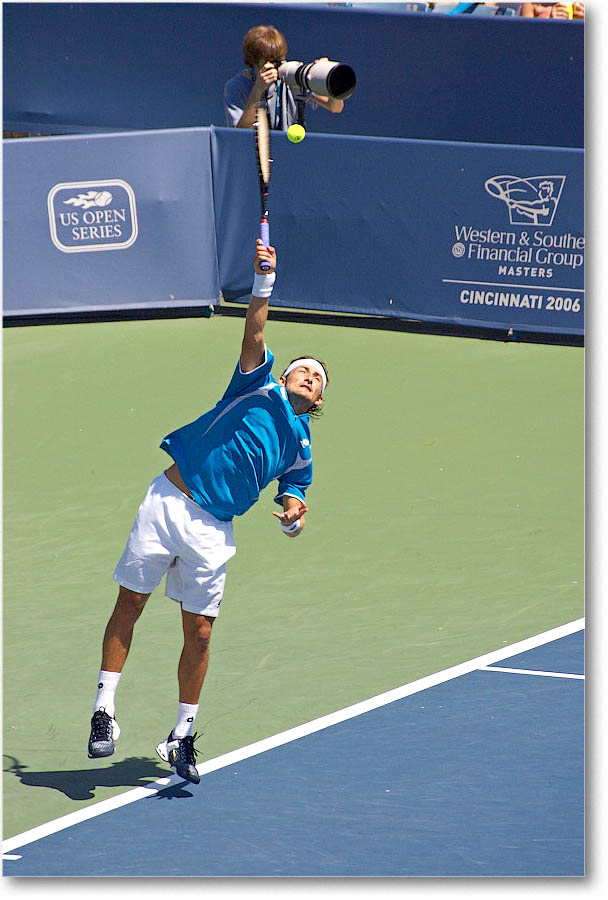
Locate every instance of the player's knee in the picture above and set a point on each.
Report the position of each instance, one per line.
(198, 636)
(130, 604)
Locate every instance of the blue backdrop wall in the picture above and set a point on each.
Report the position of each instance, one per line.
(474, 234)
(110, 221)
(100, 66)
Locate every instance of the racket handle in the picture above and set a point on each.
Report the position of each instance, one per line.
(265, 238)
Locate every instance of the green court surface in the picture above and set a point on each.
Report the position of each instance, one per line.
(446, 520)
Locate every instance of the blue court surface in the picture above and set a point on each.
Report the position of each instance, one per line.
(478, 774)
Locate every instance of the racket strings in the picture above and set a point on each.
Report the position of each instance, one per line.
(263, 143)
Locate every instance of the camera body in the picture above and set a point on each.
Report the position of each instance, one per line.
(326, 77)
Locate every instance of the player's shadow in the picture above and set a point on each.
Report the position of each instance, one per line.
(80, 784)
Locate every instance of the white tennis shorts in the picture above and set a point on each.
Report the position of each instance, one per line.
(173, 535)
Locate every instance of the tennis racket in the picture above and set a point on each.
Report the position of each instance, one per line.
(262, 148)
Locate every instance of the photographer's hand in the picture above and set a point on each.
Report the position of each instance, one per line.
(266, 75)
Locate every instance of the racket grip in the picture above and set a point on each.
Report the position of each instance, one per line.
(265, 238)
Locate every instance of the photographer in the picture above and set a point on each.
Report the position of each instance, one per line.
(264, 48)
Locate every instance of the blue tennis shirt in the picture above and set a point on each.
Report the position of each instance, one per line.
(229, 454)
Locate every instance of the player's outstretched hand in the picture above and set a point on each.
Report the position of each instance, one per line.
(291, 515)
(268, 254)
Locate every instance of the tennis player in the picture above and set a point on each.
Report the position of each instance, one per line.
(257, 432)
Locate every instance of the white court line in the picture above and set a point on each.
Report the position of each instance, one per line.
(292, 734)
(530, 672)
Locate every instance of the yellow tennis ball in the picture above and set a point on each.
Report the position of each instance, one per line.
(296, 133)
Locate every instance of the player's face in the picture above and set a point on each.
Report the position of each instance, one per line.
(304, 384)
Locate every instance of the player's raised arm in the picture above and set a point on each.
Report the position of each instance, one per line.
(252, 351)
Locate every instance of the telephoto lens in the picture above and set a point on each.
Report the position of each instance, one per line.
(326, 77)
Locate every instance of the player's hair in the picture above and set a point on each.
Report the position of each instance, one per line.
(263, 42)
(314, 411)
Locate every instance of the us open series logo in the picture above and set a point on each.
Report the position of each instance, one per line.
(86, 216)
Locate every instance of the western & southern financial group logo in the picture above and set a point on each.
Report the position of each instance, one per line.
(530, 201)
(92, 215)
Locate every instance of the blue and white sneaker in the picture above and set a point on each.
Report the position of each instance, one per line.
(180, 754)
(104, 731)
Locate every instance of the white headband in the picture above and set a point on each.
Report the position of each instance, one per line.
(306, 361)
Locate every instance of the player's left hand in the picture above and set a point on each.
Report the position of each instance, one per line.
(291, 515)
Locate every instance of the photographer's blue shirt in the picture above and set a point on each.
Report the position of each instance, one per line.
(252, 436)
(282, 109)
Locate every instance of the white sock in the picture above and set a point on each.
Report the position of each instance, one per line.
(106, 688)
(186, 714)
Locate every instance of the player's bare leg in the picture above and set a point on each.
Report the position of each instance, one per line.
(178, 750)
(119, 630)
(116, 645)
(194, 660)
